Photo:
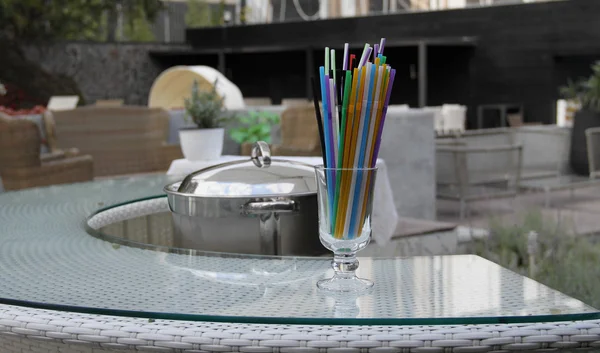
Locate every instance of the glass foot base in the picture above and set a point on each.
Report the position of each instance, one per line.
(345, 284)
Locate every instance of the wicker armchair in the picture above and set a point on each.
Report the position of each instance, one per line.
(122, 140)
(21, 165)
(299, 133)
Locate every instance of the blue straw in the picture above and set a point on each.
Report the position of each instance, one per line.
(356, 206)
(326, 117)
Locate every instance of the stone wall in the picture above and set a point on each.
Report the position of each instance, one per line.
(103, 70)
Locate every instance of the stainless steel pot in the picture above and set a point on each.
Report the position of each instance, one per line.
(254, 206)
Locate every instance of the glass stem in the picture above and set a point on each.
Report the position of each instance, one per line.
(344, 265)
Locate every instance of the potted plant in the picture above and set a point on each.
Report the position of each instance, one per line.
(587, 93)
(255, 126)
(205, 110)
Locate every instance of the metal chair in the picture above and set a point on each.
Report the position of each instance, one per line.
(562, 179)
(469, 174)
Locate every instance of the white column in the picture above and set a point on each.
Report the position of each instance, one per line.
(348, 8)
(323, 9)
(167, 25)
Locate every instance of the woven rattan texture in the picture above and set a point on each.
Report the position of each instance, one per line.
(32, 330)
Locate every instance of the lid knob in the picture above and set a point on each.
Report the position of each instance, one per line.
(261, 154)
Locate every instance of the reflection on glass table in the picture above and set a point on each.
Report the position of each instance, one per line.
(48, 260)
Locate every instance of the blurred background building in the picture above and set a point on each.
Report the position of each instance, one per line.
(170, 25)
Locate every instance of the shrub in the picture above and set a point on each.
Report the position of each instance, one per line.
(561, 259)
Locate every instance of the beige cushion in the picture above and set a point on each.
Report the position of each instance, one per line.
(122, 140)
(299, 129)
(19, 143)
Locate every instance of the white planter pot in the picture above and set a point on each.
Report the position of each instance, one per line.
(201, 144)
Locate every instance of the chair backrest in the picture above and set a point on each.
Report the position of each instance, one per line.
(438, 118)
(109, 103)
(294, 102)
(120, 139)
(299, 129)
(398, 107)
(515, 120)
(19, 143)
(471, 165)
(593, 149)
(544, 148)
(257, 101)
(57, 103)
(454, 117)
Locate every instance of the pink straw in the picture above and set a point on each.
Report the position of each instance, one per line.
(385, 107)
(345, 60)
(381, 45)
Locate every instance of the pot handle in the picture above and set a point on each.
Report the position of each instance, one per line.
(261, 154)
(269, 228)
(261, 207)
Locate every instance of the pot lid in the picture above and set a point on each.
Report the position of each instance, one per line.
(259, 176)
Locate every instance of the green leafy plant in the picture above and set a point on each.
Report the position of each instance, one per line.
(97, 20)
(205, 108)
(198, 14)
(561, 260)
(585, 91)
(256, 126)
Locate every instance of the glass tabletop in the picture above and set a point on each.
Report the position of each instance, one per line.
(48, 260)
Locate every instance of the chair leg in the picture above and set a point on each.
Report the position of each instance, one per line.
(462, 209)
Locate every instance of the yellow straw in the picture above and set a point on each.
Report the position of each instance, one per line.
(347, 187)
(347, 147)
(372, 147)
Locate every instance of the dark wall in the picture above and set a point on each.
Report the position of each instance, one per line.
(265, 75)
(523, 53)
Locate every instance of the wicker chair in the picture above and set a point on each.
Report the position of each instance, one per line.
(122, 140)
(299, 133)
(22, 166)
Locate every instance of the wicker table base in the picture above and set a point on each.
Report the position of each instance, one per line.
(33, 330)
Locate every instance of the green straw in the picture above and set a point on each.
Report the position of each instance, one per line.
(333, 65)
(347, 87)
